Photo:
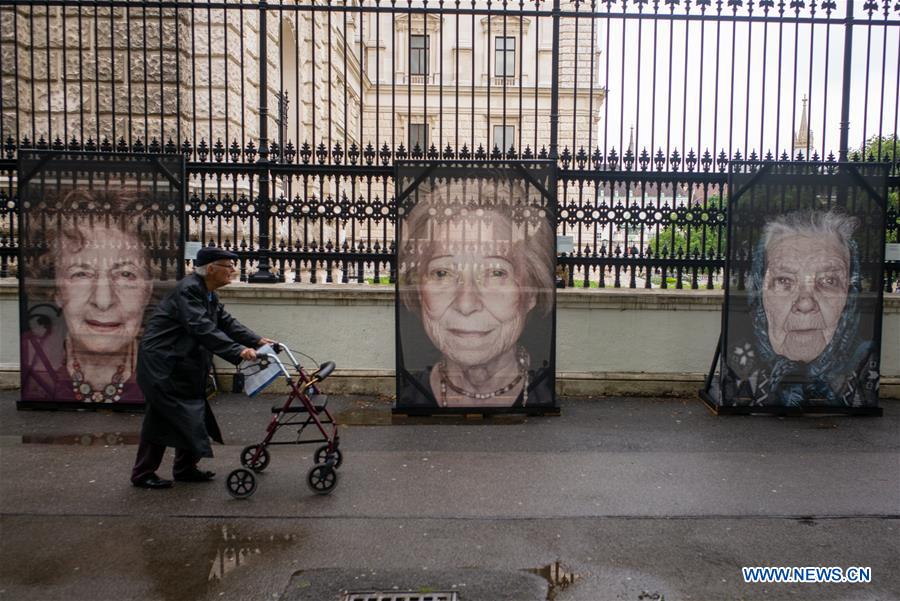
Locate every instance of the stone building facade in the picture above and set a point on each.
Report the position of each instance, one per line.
(176, 74)
(139, 76)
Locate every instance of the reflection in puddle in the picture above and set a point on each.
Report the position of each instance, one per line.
(86, 440)
(557, 576)
(236, 551)
(228, 559)
(188, 565)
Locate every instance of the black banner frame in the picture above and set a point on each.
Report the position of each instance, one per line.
(549, 194)
(32, 162)
(711, 395)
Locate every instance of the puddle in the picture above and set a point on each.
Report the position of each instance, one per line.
(158, 559)
(193, 567)
(647, 596)
(236, 551)
(468, 419)
(557, 576)
(102, 439)
(363, 412)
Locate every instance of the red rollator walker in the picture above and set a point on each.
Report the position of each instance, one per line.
(304, 406)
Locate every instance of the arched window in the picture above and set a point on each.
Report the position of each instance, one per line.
(287, 87)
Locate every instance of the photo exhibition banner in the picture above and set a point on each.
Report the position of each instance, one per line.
(100, 245)
(476, 296)
(803, 295)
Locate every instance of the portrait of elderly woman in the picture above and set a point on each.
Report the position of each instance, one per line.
(805, 344)
(89, 278)
(476, 263)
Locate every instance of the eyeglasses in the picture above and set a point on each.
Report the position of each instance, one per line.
(230, 265)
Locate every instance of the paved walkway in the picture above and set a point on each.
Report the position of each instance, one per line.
(630, 499)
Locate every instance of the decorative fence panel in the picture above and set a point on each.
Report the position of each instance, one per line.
(291, 115)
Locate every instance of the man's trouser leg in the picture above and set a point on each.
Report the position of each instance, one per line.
(149, 456)
(185, 462)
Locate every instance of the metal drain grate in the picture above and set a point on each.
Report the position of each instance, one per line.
(399, 596)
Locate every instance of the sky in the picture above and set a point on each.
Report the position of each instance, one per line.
(748, 113)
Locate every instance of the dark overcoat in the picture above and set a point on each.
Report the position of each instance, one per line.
(174, 359)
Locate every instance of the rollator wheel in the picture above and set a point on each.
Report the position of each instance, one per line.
(322, 479)
(322, 454)
(261, 462)
(241, 483)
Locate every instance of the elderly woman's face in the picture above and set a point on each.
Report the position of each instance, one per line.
(102, 289)
(804, 294)
(473, 304)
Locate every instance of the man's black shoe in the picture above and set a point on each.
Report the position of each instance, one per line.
(195, 475)
(152, 482)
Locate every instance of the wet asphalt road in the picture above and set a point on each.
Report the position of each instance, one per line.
(639, 500)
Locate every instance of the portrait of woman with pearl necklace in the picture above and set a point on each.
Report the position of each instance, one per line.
(476, 258)
(93, 260)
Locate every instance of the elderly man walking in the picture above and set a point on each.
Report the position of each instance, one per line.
(174, 360)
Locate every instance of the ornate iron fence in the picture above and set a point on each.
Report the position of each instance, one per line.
(291, 115)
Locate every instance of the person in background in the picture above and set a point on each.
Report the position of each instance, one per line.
(174, 359)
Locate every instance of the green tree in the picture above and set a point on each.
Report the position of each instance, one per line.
(885, 148)
(880, 148)
(673, 237)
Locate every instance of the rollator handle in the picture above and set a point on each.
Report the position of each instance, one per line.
(324, 370)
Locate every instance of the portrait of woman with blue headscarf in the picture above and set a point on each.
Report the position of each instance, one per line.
(805, 344)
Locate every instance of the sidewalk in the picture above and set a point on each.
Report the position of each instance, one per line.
(636, 499)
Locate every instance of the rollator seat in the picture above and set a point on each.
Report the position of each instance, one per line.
(319, 401)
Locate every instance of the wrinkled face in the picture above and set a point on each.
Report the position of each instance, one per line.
(220, 273)
(102, 289)
(805, 290)
(473, 306)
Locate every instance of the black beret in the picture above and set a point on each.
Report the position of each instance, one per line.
(211, 253)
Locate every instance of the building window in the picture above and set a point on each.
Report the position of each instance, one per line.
(505, 56)
(504, 137)
(418, 135)
(418, 55)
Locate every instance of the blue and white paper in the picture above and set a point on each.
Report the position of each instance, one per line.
(259, 373)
